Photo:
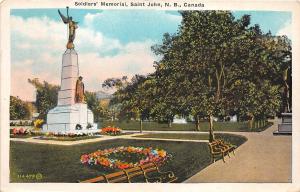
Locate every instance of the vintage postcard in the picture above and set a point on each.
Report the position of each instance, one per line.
(151, 95)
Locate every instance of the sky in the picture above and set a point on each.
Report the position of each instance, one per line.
(109, 43)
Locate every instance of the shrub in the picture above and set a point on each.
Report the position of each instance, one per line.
(38, 123)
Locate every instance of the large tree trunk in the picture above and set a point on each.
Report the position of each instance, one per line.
(211, 131)
(219, 75)
(251, 121)
(169, 123)
(197, 123)
(218, 91)
(141, 125)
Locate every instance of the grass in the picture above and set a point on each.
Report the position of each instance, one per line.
(187, 136)
(204, 126)
(192, 136)
(119, 134)
(62, 163)
(21, 136)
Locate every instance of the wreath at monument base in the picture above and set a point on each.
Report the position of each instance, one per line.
(78, 127)
(125, 157)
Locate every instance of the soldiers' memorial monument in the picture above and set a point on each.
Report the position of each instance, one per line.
(71, 115)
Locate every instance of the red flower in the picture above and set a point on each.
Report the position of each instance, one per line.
(21, 130)
(15, 131)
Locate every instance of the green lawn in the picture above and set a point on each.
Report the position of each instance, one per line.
(21, 136)
(192, 136)
(204, 126)
(186, 136)
(62, 163)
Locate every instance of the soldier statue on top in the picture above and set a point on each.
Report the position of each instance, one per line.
(72, 27)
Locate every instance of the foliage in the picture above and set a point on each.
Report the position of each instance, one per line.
(95, 106)
(38, 123)
(21, 123)
(214, 66)
(242, 126)
(115, 82)
(259, 100)
(211, 54)
(18, 109)
(46, 96)
(131, 96)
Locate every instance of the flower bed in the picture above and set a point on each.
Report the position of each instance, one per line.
(21, 132)
(66, 138)
(125, 157)
(62, 136)
(111, 131)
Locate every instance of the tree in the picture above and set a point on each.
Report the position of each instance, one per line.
(259, 101)
(114, 106)
(196, 59)
(94, 105)
(132, 96)
(259, 76)
(46, 96)
(281, 58)
(168, 100)
(18, 109)
(210, 54)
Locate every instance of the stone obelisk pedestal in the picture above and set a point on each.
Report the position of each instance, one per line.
(68, 116)
(285, 127)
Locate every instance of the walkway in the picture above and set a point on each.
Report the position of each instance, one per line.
(263, 158)
(68, 143)
(101, 138)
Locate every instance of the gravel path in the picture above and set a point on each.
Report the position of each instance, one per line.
(263, 158)
(83, 141)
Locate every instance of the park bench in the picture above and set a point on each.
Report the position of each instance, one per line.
(220, 148)
(128, 175)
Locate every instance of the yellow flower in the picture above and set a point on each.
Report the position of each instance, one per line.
(162, 153)
(38, 123)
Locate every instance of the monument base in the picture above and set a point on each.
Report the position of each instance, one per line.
(285, 127)
(75, 118)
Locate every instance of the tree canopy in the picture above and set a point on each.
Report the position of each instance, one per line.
(46, 96)
(18, 109)
(214, 66)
